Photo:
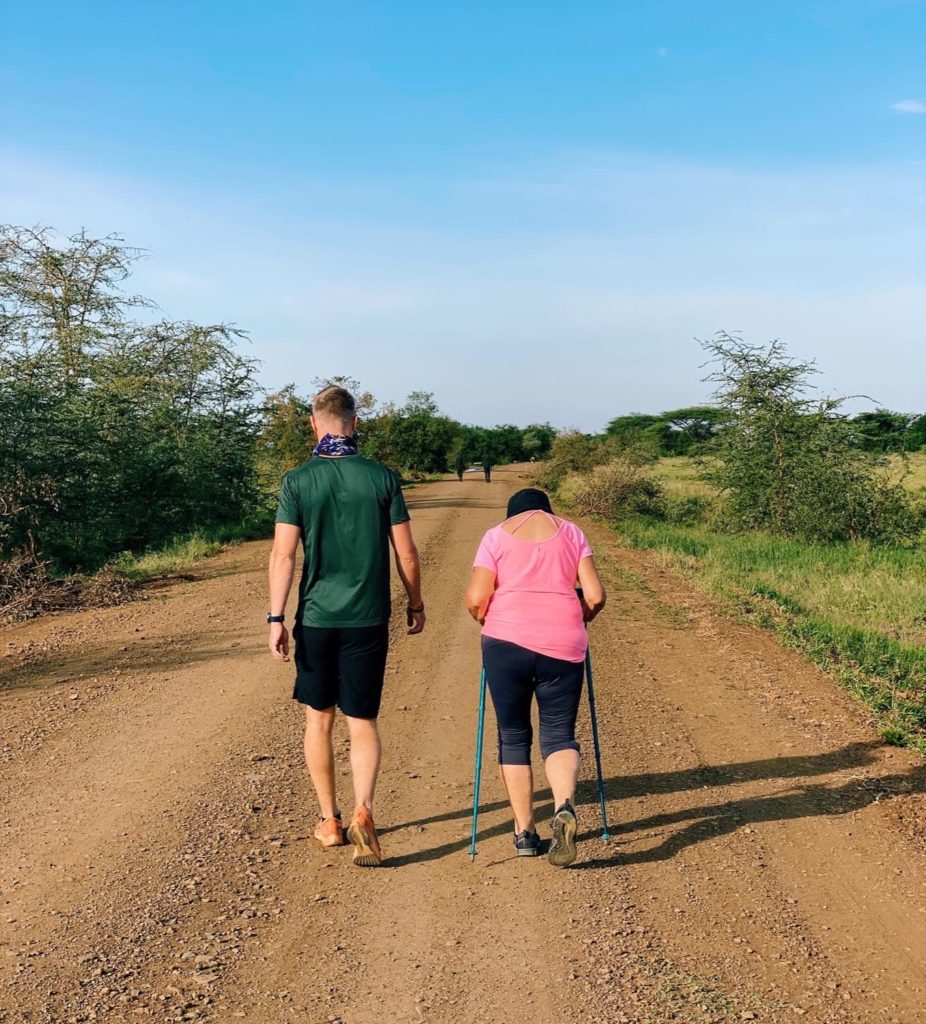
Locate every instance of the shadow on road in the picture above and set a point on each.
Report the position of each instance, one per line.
(133, 655)
(704, 821)
(414, 503)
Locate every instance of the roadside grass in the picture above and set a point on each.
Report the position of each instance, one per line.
(181, 553)
(916, 478)
(856, 610)
(681, 477)
(681, 474)
(29, 588)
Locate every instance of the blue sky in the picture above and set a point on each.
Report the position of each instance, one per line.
(531, 209)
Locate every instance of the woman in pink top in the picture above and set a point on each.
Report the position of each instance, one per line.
(523, 591)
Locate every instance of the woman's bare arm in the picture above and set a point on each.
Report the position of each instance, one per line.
(593, 594)
(479, 593)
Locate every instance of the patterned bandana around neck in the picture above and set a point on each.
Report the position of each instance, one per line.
(335, 445)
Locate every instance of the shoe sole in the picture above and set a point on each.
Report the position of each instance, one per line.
(563, 848)
(365, 855)
(328, 842)
(529, 853)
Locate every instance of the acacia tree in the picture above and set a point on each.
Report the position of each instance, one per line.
(883, 431)
(68, 296)
(116, 434)
(286, 437)
(787, 462)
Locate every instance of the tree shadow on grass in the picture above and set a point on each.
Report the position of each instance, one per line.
(706, 821)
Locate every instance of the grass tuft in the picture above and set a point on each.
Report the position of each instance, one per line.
(857, 611)
(182, 553)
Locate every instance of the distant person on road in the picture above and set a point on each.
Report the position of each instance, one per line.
(533, 645)
(460, 466)
(345, 509)
(487, 467)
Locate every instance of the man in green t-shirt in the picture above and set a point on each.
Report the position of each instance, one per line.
(345, 510)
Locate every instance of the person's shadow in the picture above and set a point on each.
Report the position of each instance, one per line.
(800, 799)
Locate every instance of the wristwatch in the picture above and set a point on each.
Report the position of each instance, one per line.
(276, 618)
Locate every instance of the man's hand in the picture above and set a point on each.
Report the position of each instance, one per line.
(415, 620)
(279, 641)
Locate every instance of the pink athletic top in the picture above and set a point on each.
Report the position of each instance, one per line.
(534, 604)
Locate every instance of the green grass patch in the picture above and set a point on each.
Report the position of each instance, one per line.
(682, 476)
(915, 465)
(181, 553)
(856, 610)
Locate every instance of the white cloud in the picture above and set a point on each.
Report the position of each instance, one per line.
(910, 106)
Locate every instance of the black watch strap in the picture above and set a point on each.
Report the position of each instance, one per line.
(276, 618)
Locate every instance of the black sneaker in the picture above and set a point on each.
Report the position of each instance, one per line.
(527, 843)
(563, 845)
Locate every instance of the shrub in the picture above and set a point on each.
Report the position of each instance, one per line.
(618, 489)
(686, 510)
(28, 589)
(791, 465)
(570, 452)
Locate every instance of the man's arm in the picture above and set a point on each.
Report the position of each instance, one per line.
(282, 566)
(409, 568)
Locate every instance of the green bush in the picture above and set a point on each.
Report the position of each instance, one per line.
(686, 510)
(571, 452)
(618, 489)
(785, 463)
(116, 434)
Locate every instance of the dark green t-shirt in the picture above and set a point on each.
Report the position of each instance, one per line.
(345, 508)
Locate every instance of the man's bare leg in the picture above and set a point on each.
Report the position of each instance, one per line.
(365, 754)
(319, 758)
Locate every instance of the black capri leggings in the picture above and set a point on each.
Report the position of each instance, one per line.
(514, 674)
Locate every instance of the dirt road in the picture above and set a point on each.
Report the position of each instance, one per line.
(769, 860)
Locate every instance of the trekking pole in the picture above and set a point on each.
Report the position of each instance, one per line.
(605, 834)
(478, 773)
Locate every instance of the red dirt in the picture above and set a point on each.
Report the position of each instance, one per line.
(769, 860)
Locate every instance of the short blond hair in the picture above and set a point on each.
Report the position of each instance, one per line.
(334, 403)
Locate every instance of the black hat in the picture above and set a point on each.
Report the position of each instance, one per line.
(527, 500)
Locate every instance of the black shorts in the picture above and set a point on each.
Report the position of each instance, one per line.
(341, 665)
(515, 676)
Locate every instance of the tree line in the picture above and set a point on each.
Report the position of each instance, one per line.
(779, 460)
(123, 429)
(413, 437)
(691, 430)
